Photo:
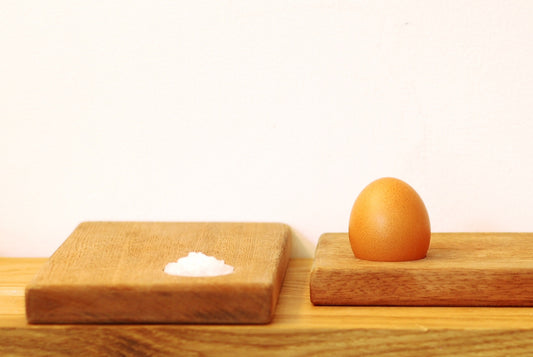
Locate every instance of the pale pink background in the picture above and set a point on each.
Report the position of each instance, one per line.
(261, 111)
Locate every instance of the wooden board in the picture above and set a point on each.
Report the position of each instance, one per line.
(298, 328)
(112, 272)
(470, 269)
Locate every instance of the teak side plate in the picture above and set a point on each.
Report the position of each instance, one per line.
(112, 272)
(461, 269)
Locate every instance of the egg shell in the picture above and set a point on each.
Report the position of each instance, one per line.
(389, 222)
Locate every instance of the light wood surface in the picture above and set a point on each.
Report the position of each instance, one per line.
(298, 329)
(112, 272)
(469, 269)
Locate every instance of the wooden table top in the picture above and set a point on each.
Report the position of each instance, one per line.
(298, 328)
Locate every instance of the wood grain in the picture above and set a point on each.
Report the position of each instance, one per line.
(112, 272)
(475, 269)
(298, 329)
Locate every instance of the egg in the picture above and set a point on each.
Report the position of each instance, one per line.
(389, 222)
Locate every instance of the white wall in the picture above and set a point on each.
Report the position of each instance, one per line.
(261, 111)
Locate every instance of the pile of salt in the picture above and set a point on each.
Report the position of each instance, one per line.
(198, 264)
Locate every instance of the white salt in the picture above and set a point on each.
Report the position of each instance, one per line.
(198, 264)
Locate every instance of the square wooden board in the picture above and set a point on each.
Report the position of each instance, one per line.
(461, 269)
(112, 272)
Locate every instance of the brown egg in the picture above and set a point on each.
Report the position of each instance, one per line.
(389, 222)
